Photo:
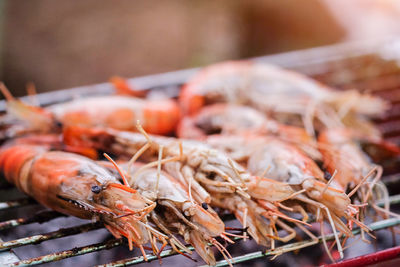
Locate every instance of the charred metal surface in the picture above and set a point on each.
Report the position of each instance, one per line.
(40, 217)
(69, 253)
(36, 239)
(7, 257)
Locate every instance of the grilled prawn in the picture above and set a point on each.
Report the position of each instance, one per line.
(288, 96)
(231, 119)
(115, 111)
(208, 175)
(283, 162)
(176, 212)
(342, 152)
(75, 185)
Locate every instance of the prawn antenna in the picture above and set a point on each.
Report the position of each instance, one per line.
(265, 171)
(7, 94)
(236, 171)
(142, 131)
(362, 182)
(32, 93)
(118, 169)
(160, 152)
(378, 176)
(245, 223)
(329, 182)
(190, 190)
(142, 149)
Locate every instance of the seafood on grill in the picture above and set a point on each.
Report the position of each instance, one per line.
(259, 132)
(342, 152)
(338, 145)
(231, 119)
(177, 213)
(287, 96)
(277, 160)
(75, 185)
(208, 174)
(122, 87)
(116, 111)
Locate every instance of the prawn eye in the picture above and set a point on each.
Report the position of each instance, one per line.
(58, 124)
(204, 205)
(96, 189)
(327, 175)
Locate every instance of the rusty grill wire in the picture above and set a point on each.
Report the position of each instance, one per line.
(371, 67)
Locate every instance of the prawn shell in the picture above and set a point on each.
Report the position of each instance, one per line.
(56, 173)
(13, 160)
(268, 189)
(119, 112)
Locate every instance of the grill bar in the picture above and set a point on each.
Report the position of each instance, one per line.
(392, 200)
(140, 259)
(16, 203)
(69, 253)
(294, 246)
(40, 217)
(36, 239)
(391, 180)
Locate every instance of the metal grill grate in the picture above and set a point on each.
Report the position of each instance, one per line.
(368, 67)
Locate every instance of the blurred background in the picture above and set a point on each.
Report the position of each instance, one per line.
(62, 44)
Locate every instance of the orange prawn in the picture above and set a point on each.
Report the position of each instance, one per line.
(177, 212)
(341, 150)
(157, 116)
(208, 174)
(75, 185)
(277, 160)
